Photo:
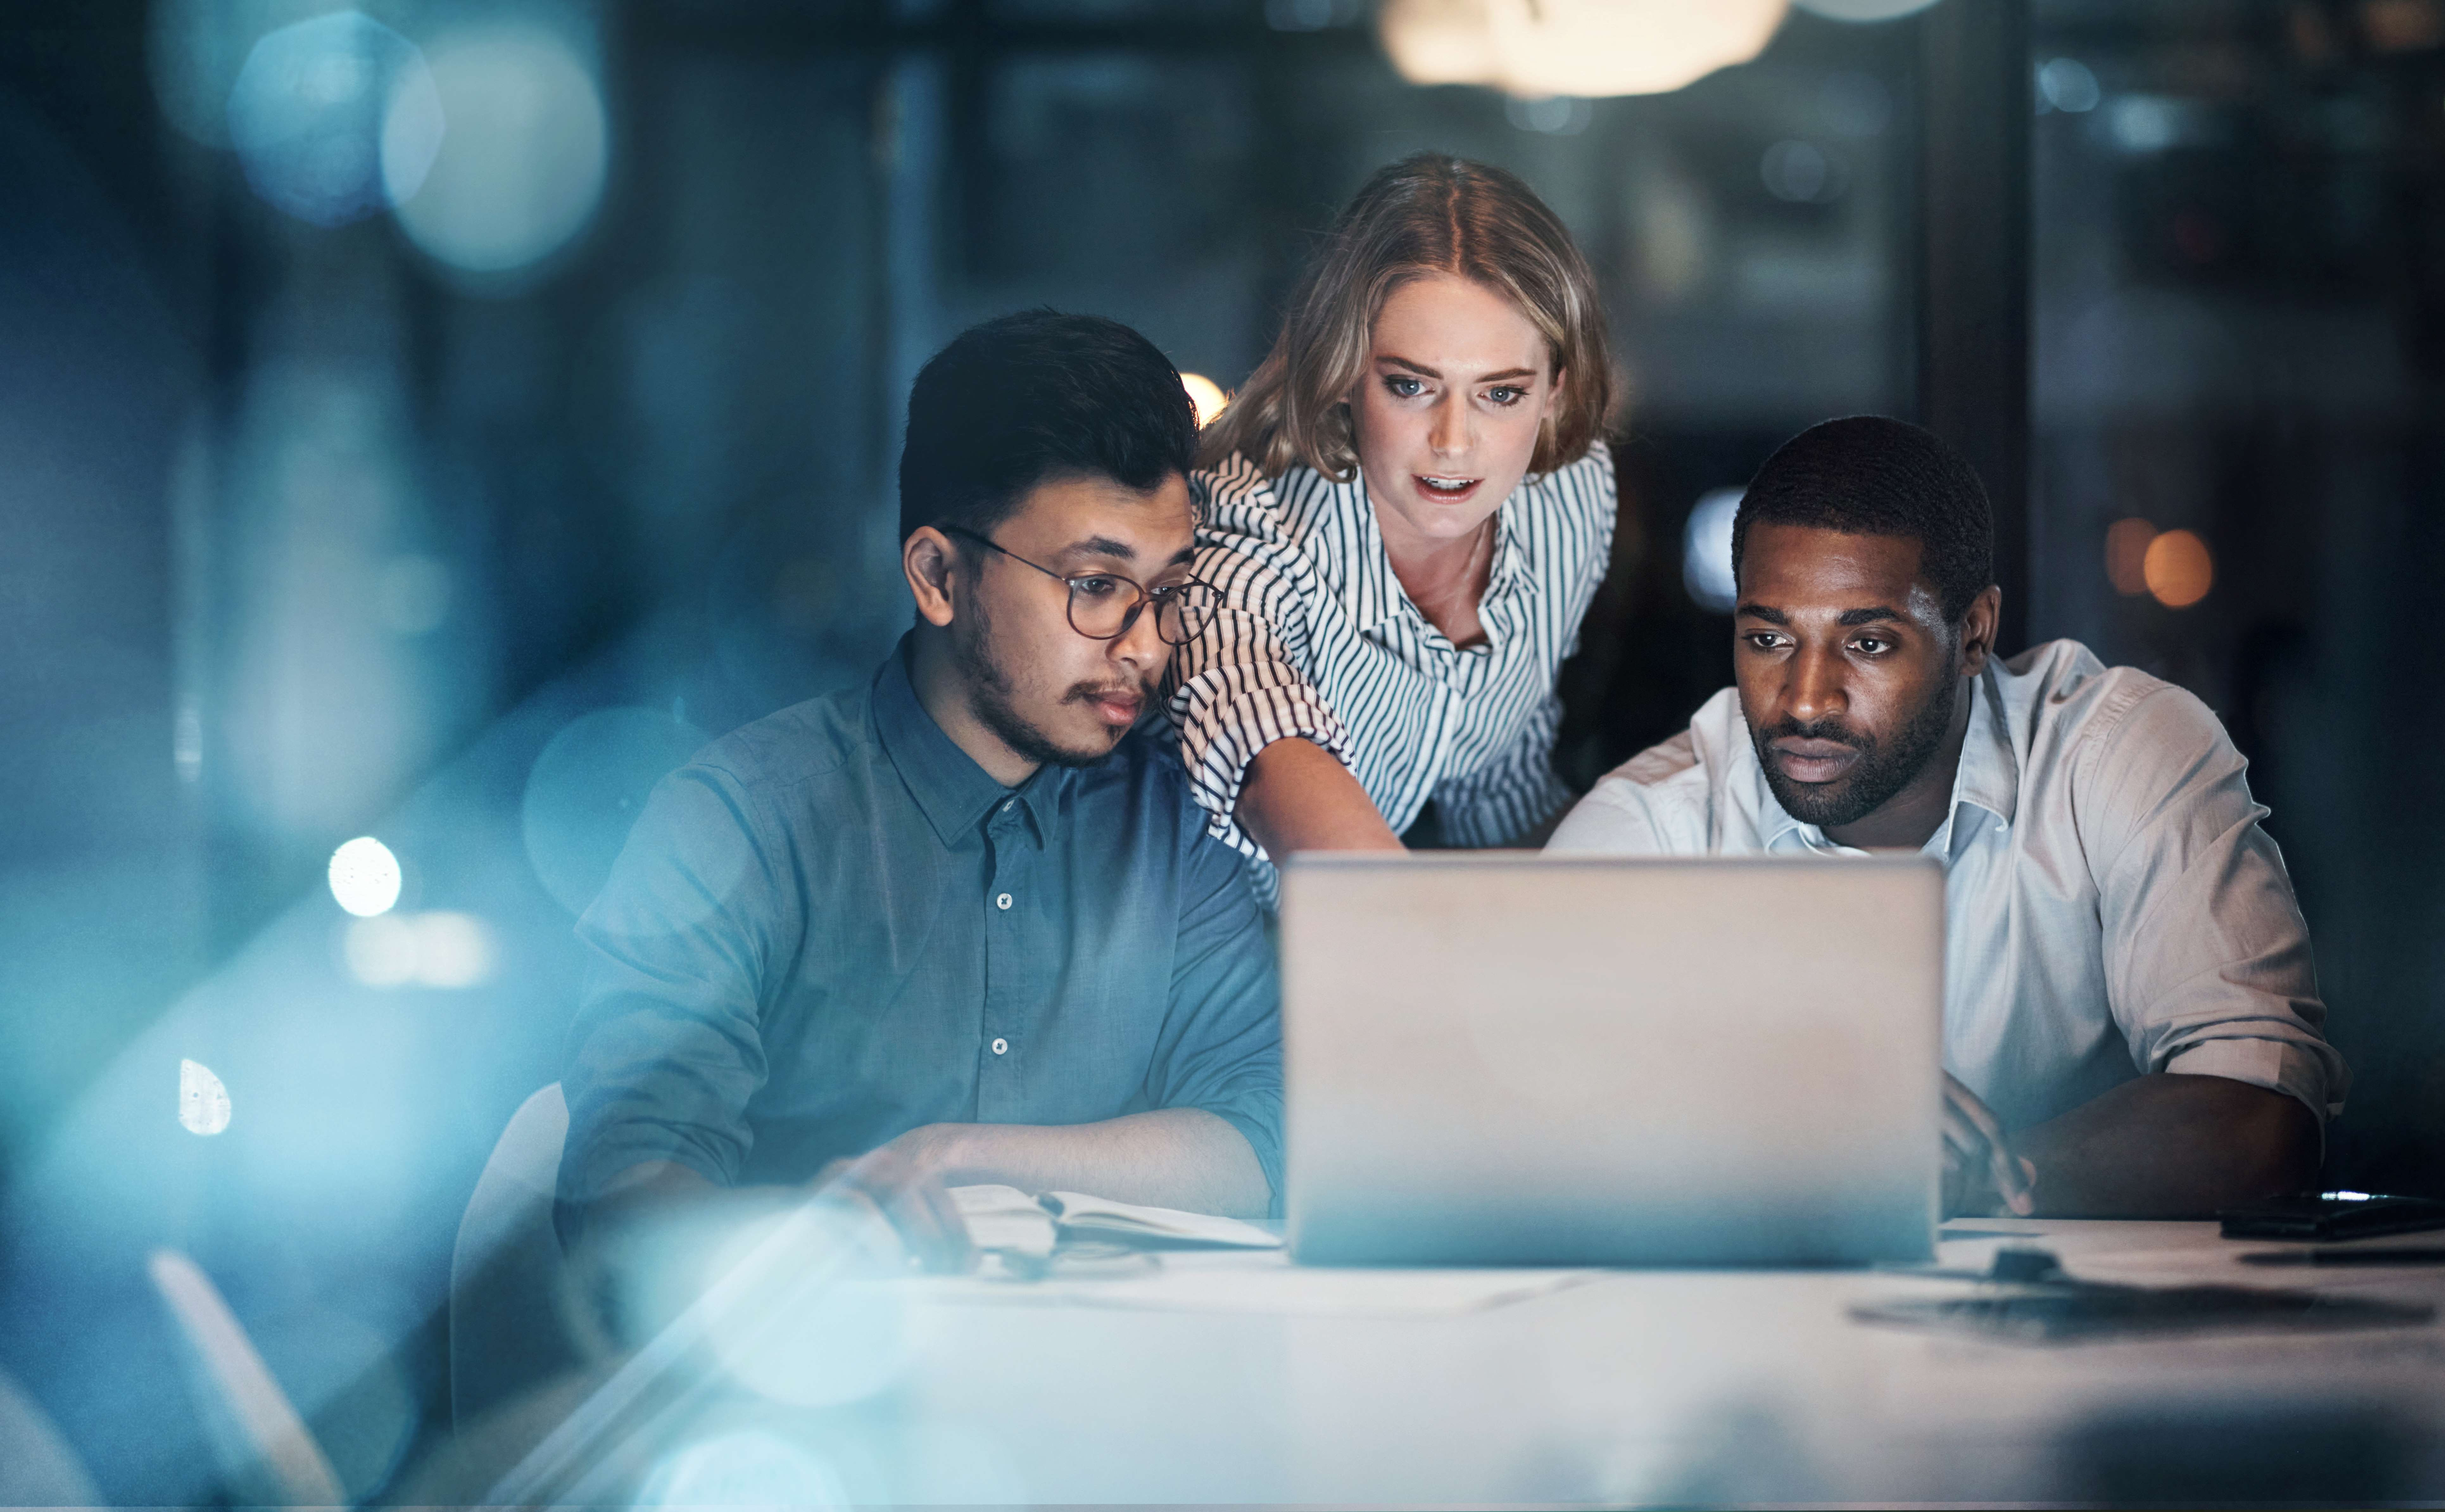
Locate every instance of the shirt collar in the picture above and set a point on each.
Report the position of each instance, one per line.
(1372, 595)
(1989, 774)
(1988, 777)
(954, 794)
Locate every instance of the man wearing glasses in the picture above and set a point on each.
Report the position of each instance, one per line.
(959, 921)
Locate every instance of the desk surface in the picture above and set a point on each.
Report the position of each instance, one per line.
(1636, 1387)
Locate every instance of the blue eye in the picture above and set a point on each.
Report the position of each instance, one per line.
(1405, 387)
(1507, 395)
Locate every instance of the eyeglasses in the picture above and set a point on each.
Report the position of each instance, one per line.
(1103, 605)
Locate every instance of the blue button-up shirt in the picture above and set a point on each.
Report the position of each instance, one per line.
(832, 926)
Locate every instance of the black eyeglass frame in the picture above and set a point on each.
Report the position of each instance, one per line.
(1145, 595)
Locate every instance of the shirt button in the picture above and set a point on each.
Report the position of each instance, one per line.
(1002, 901)
(1006, 803)
(1001, 1046)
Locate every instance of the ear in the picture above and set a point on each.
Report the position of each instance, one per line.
(932, 562)
(1978, 628)
(1555, 389)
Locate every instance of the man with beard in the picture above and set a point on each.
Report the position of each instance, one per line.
(957, 922)
(2112, 909)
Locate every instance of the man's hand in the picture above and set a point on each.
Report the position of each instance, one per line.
(1980, 1166)
(903, 1182)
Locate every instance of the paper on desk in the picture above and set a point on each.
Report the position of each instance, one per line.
(1100, 1217)
(1004, 1218)
(1262, 1284)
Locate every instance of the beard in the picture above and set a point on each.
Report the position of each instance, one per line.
(993, 698)
(1881, 771)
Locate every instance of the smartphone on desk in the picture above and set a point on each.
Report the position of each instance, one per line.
(2325, 1217)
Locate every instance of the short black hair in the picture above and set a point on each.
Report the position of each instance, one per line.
(1871, 475)
(1035, 396)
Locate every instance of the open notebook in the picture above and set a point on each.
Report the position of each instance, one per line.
(1004, 1218)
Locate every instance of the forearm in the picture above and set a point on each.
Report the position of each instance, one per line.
(2170, 1146)
(1173, 1157)
(1298, 796)
(660, 1193)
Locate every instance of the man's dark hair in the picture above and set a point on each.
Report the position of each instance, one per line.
(1870, 476)
(1035, 396)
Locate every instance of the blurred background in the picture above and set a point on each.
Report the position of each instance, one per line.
(423, 424)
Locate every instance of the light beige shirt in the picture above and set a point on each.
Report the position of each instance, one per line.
(2112, 906)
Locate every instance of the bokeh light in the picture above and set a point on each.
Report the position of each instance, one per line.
(1707, 551)
(1207, 395)
(437, 949)
(956, 1464)
(586, 789)
(2179, 570)
(1862, 9)
(335, 117)
(203, 1102)
(365, 877)
(522, 167)
(1800, 173)
(381, 951)
(745, 1467)
(2067, 85)
(1554, 116)
(451, 949)
(1536, 48)
(2126, 555)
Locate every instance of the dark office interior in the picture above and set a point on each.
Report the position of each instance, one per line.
(457, 520)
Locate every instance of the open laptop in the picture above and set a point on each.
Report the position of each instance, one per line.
(1511, 1058)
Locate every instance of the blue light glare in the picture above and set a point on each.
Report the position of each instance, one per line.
(745, 1467)
(333, 118)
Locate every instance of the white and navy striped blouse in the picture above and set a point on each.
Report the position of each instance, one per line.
(1315, 638)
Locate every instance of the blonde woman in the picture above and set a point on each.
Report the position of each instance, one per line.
(1404, 516)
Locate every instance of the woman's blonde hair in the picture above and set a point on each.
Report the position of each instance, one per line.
(1427, 213)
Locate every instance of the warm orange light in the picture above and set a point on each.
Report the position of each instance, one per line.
(1207, 395)
(1536, 49)
(2126, 555)
(2179, 570)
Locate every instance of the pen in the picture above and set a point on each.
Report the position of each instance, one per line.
(2340, 1254)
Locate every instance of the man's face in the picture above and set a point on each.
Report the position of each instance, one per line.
(1848, 670)
(1049, 693)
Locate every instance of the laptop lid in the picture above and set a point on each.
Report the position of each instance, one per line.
(1507, 1057)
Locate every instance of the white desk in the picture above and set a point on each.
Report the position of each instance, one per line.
(1634, 1387)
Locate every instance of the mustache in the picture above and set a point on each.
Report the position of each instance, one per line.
(1788, 728)
(1089, 692)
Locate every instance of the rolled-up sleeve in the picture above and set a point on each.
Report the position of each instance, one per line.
(1239, 686)
(666, 1049)
(1221, 1046)
(2207, 957)
(1654, 804)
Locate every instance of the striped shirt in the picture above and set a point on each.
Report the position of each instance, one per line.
(1315, 638)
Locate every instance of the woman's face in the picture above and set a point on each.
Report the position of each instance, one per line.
(1447, 413)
